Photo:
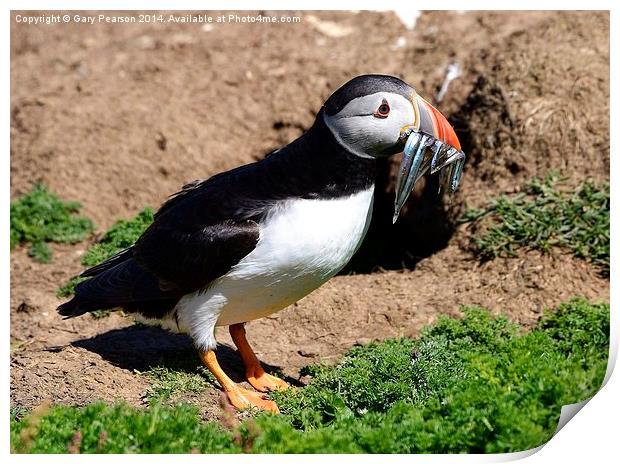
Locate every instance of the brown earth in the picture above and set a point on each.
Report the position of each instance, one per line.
(120, 116)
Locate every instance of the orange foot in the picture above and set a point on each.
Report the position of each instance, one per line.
(264, 382)
(241, 398)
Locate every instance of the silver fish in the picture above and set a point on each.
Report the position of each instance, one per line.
(423, 153)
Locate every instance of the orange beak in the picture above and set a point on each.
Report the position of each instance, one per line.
(434, 123)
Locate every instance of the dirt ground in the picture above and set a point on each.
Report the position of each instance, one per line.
(120, 116)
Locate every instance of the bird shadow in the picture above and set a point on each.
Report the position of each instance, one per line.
(141, 348)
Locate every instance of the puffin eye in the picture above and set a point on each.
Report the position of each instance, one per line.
(383, 110)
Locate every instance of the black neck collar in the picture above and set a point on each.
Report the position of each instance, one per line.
(318, 166)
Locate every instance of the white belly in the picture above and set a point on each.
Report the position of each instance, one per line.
(302, 244)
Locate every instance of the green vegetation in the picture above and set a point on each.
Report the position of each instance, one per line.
(98, 428)
(168, 382)
(544, 216)
(68, 289)
(469, 385)
(120, 236)
(40, 217)
(177, 375)
(475, 384)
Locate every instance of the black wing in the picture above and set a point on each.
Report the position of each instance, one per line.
(202, 231)
(189, 244)
(189, 260)
(161, 267)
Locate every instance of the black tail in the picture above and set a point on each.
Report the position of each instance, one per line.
(120, 283)
(78, 306)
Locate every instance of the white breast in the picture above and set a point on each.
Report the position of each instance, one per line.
(302, 244)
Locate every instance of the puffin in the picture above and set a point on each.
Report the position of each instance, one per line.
(251, 241)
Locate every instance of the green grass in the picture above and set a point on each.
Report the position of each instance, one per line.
(118, 429)
(40, 216)
(120, 236)
(544, 216)
(176, 376)
(475, 384)
(470, 385)
(168, 383)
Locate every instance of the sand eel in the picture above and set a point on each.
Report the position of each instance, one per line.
(251, 241)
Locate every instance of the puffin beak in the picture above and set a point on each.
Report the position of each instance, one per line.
(431, 144)
(434, 123)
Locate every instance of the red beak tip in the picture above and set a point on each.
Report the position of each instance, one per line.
(441, 127)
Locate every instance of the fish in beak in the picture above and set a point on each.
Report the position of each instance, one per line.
(431, 145)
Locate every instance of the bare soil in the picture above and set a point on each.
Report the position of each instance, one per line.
(119, 117)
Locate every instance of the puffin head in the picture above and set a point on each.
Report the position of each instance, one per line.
(372, 115)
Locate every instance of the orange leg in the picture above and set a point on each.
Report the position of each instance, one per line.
(240, 398)
(254, 372)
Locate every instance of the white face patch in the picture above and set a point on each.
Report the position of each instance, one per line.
(362, 133)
